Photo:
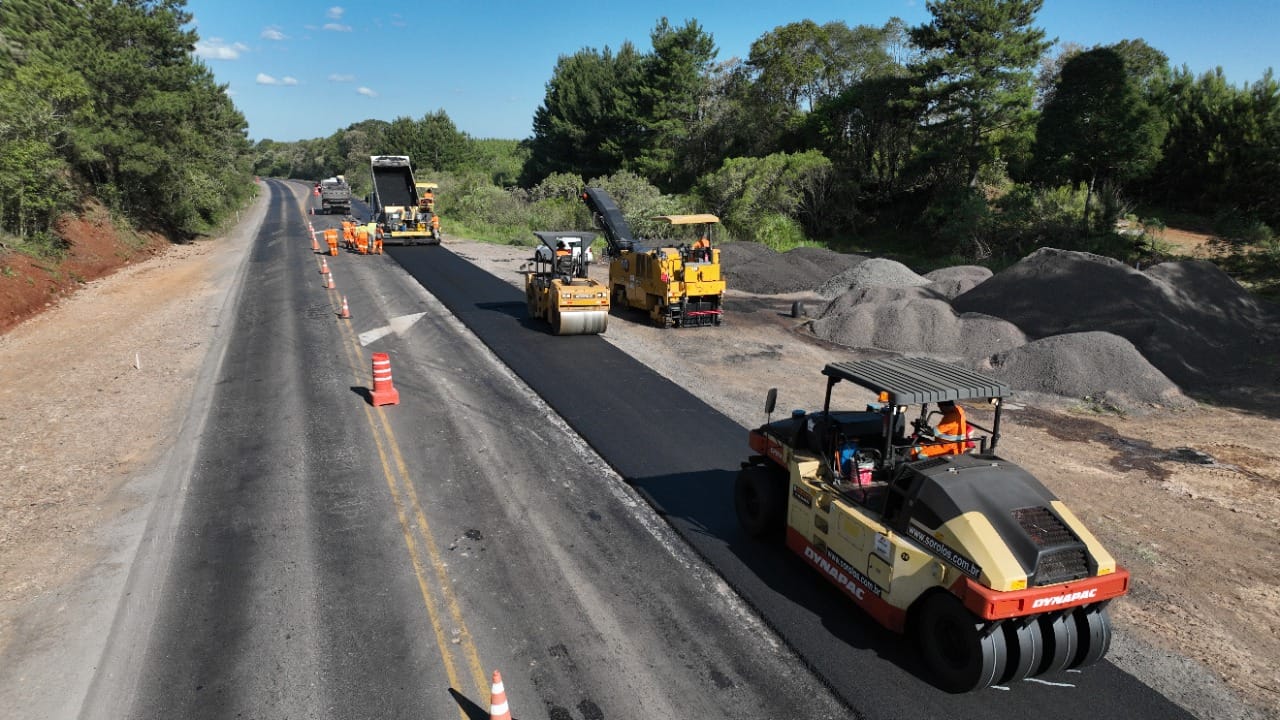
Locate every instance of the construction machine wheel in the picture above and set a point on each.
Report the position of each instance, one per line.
(1093, 625)
(1026, 648)
(797, 309)
(1061, 642)
(592, 322)
(760, 499)
(963, 653)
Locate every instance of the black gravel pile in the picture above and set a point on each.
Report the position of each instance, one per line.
(917, 325)
(954, 281)
(1188, 319)
(755, 268)
(875, 272)
(1103, 367)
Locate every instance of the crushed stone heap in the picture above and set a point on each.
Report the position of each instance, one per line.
(1097, 365)
(875, 272)
(1188, 319)
(913, 325)
(755, 268)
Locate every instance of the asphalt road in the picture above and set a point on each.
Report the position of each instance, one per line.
(682, 455)
(334, 560)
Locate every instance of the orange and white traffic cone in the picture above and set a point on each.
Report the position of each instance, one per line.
(346, 311)
(329, 283)
(384, 391)
(324, 267)
(498, 708)
(315, 246)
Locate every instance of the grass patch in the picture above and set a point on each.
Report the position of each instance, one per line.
(489, 233)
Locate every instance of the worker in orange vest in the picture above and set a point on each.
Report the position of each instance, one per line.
(702, 249)
(953, 432)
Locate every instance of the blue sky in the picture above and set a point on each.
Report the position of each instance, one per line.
(300, 69)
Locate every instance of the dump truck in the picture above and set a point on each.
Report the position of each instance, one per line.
(335, 195)
(926, 528)
(558, 290)
(676, 285)
(397, 213)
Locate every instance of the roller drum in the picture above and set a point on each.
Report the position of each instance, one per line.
(585, 322)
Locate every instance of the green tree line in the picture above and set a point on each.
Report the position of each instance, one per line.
(966, 136)
(104, 98)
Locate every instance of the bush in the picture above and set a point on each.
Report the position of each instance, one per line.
(1028, 217)
(1241, 229)
(558, 185)
(958, 222)
(745, 192)
(780, 232)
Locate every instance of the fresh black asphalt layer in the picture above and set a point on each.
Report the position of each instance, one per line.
(682, 455)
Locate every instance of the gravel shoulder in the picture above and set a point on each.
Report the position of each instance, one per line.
(94, 390)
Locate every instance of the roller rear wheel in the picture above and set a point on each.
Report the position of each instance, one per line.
(1061, 643)
(760, 499)
(1094, 628)
(1026, 648)
(957, 648)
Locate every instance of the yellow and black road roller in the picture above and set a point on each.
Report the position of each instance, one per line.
(558, 290)
(922, 525)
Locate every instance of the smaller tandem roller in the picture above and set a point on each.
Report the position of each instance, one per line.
(928, 530)
(558, 290)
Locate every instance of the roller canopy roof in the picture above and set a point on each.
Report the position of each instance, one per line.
(550, 238)
(688, 219)
(915, 381)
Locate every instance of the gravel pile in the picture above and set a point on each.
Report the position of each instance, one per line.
(875, 272)
(918, 325)
(1097, 365)
(755, 268)
(739, 252)
(1188, 319)
(954, 281)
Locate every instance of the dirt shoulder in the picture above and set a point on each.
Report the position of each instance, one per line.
(93, 389)
(94, 386)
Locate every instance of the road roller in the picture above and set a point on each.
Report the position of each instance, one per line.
(906, 507)
(558, 290)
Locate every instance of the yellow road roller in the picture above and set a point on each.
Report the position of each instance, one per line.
(558, 290)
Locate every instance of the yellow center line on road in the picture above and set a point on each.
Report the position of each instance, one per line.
(455, 610)
(396, 479)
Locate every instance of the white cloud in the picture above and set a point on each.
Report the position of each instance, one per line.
(367, 92)
(337, 27)
(218, 49)
(334, 13)
(273, 33)
(265, 79)
(339, 77)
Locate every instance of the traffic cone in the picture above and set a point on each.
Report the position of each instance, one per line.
(324, 267)
(384, 391)
(328, 282)
(346, 311)
(498, 708)
(315, 246)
